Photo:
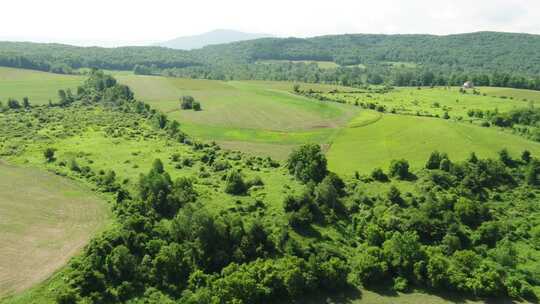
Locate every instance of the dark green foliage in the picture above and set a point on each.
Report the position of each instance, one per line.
(234, 183)
(26, 103)
(197, 106)
(13, 104)
(526, 156)
(394, 195)
(434, 160)
(49, 154)
(399, 169)
(307, 163)
(533, 173)
(378, 175)
(505, 158)
(445, 115)
(187, 102)
(165, 197)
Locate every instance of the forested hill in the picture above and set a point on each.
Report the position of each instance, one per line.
(358, 58)
(482, 50)
(60, 58)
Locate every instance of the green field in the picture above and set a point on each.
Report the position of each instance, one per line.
(39, 87)
(517, 94)
(261, 115)
(45, 220)
(91, 141)
(370, 142)
(437, 101)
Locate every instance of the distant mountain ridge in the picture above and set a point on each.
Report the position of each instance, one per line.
(220, 36)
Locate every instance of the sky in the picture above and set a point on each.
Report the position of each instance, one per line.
(136, 22)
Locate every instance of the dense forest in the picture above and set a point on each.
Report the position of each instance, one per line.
(488, 58)
(470, 227)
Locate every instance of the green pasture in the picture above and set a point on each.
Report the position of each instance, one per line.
(437, 101)
(39, 87)
(245, 113)
(413, 138)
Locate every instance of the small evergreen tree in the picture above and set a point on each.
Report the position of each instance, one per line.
(49, 154)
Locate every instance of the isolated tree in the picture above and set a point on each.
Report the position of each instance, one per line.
(49, 154)
(446, 116)
(307, 163)
(296, 88)
(196, 106)
(186, 102)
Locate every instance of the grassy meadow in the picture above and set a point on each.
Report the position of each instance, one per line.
(42, 225)
(371, 142)
(261, 115)
(438, 100)
(39, 87)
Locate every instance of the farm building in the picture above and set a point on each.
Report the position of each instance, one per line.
(468, 85)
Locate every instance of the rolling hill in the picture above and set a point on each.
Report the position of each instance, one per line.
(219, 36)
(364, 55)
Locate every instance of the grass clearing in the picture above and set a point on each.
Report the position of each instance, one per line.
(39, 87)
(246, 113)
(438, 100)
(414, 138)
(517, 94)
(44, 221)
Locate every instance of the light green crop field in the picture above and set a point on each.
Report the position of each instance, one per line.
(262, 115)
(376, 142)
(436, 101)
(44, 221)
(39, 87)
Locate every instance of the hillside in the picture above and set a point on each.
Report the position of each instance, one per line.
(488, 58)
(198, 224)
(219, 36)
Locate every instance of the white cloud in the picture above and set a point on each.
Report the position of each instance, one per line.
(127, 22)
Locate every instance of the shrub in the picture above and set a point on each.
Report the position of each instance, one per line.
(255, 181)
(234, 183)
(399, 169)
(49, 154)
(378, 175)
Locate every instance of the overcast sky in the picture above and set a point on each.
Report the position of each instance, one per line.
(120, 22)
